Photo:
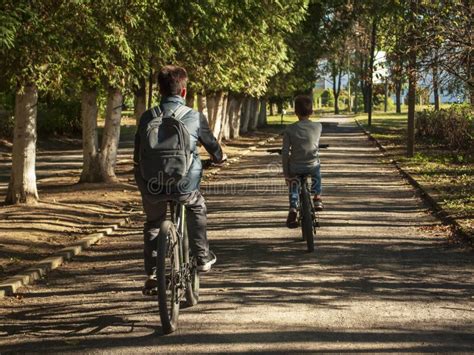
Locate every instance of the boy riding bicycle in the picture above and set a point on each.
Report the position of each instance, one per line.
(300, 156)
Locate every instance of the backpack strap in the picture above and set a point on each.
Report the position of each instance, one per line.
(156, 112)
(180, 112)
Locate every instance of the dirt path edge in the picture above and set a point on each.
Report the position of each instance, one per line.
(458, 233)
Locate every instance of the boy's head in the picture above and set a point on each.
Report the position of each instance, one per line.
(303, 106)
(172, 80)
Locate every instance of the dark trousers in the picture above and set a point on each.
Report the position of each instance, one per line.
(155, 207)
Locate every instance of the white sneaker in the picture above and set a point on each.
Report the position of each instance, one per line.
(205, 264)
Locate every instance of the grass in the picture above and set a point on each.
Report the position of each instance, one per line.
(447, 176)
(290, 118)
(278, 120)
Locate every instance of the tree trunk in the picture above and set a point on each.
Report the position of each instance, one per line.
(412, 43)
(211, 110)
(436, 87)
(202, 105)
(334, 90)
(90, 163)
(385, 100)
(349, 94)
(190, 98)
(337, 88)
(227, 120)
(254, 110)
(356, 101)
(111, 136)
(235, 117)
(150, 88)
(280, 106)
(398, 96)
(245, 116)
(262, 116)
(411, 113)
(225, 129)
(373, 42)
(363, 79)
(140, 101)
(22, 186)
(271, 109)
(221, 98)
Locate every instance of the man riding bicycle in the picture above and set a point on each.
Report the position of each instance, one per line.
(300, 156)
(172, 82)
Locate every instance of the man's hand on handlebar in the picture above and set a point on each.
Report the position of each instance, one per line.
(221, 162)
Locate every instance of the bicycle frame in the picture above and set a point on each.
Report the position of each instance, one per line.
(304, 187)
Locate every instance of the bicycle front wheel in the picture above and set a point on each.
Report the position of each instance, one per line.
(307, 220)
(168, 275)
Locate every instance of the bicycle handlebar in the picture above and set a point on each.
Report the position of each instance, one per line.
(278, 150)
(209, 163)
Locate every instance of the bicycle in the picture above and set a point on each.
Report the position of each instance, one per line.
(176, 268)
(308, 217)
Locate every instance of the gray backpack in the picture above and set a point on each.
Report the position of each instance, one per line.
(165, 152)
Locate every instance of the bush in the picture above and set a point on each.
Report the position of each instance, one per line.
(7, 102)
(379, 103)
(6, 124)
(453, 127)
(327, 98)
(59, 117)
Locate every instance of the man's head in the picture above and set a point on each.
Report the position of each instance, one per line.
(303, 106)
(172, 80)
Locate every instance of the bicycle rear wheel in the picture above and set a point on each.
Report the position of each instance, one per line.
(192, 276)
(168, 275)
(307, 219)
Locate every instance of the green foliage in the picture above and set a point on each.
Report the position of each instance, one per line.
(9, 23)
(453, 127)
(236, 46)
(32, 35)
(100, 41)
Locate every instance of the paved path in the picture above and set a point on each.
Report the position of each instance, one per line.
(382, 278)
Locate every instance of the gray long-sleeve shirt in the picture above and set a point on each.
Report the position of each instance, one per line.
(301, 145)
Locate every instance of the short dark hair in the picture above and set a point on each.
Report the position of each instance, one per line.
(303, 105)
(172, 79)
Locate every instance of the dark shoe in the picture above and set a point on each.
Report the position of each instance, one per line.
(291, 221)
(318, 204)
(204, 264)
(150, 288)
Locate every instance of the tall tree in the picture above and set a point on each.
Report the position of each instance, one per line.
(30, 58)
(412, 76)
(106, 59)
